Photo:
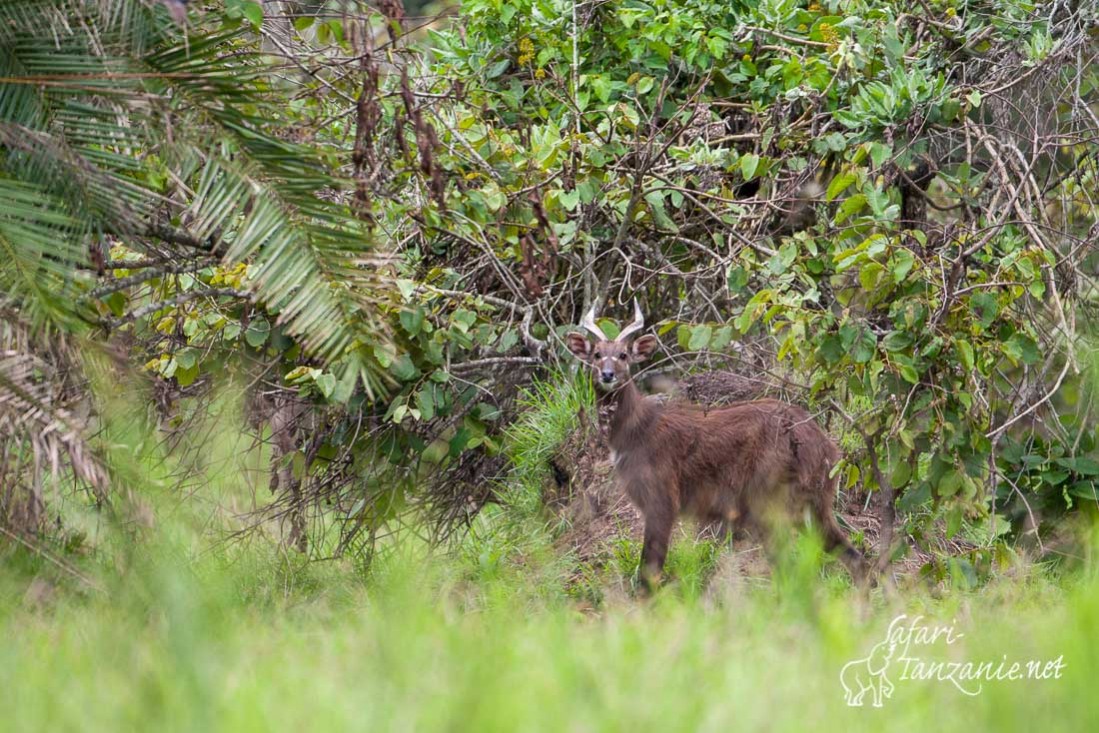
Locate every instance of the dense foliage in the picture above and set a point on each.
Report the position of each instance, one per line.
(884, 212)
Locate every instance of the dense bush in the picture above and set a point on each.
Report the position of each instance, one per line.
(889, 212)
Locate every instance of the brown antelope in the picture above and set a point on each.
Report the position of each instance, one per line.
(744, 465)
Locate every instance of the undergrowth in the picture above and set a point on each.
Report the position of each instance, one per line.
(177, 629)
(550, 410)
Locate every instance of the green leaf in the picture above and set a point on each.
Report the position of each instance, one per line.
(865, 347)
(569, 199)
(187, 358)
(782, 259)
(839, 184)
(436, 451)
(1084, 490)
(1080, 465)
(870, 276)
(748, 165)
(851, 206)
(403, 368)
(906, 368)
(460, 440)
(902, 264)
(897, 341)
(953, 519)
(830, 349)
(253, 11)
(412, 320)
(1021, 347)
(406, 288)
(683, 337)
(1054, 477)
(655, 199)
(722, 338)
(326, 383)
(880, 153)
(384, 357)
(425, 400)
(116, 301)
(986, 307)
(700, 338)
(902, 474)
(258, 331)
(463, 319)
(949, 483)
(738, 278)
(965, 354)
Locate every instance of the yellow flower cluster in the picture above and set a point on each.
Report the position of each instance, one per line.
(166, 325)
(540, 74)
(230, 276)
(830, 35)
(157, 363)
(526, 52)
(814, 7)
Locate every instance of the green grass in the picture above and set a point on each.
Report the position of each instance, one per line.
(190, 634)
(549, 415)
(252, 641)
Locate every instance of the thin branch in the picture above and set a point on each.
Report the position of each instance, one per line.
(190, 295)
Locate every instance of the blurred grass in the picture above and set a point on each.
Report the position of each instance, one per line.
(262, 643)
(194, 634)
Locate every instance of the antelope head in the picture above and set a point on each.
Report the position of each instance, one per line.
(611, 360)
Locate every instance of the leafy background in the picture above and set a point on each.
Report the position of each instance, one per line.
(347, 240)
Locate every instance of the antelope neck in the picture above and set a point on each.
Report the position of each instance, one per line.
(628, 413)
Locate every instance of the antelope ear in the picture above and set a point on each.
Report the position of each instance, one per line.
(643, 347)
(578, 345)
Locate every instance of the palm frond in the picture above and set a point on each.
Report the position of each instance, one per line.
(39, 254)
(39, 436)
(86, 108)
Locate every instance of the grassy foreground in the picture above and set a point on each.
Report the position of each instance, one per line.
(249, 641)
(502, 633)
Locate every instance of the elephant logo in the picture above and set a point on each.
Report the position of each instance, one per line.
(868, 675)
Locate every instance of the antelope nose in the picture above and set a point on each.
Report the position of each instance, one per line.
(607, 376)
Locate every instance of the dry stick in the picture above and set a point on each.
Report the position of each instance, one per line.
(182, 298)
(178, 236)
(1029, 511)
(292, 57)
(1027, 176)
(470, 294)
(496, 361)
(785, 37)
(145, 275)
(887, 511)
(575, 66)
(476, 157)
(647, 160)
(1033, 406)
(534, 344)
(55, 560)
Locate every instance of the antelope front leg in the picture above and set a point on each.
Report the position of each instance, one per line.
(658, 532)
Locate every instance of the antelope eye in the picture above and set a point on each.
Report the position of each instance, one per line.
(622, 357)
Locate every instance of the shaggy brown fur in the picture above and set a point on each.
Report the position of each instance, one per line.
(746, 465)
